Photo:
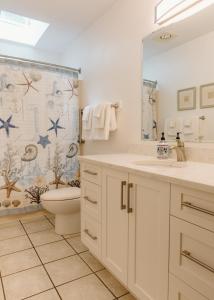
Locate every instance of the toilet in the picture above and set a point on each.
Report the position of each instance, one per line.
(64, 203)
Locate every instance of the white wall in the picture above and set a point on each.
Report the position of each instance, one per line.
(27, 52)
(186, 66)
(110, 55)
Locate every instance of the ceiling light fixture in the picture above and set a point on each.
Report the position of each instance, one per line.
(21, 29)
(166, 36)
(177, 10)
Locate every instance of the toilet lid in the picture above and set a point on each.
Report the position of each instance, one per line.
(68, 193)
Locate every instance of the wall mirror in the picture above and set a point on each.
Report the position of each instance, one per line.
(178, 80)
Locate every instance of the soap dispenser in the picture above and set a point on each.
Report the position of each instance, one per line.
(163, 148)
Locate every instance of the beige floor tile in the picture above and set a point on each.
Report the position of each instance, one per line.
(15, 244)
(37, 226)
(44, 237)
(128, 297)
(29, 218)
(112, 283)
(54, 251)
(67, 236)
(1, 292)
(13, 218)
(49, 295)
(67, 269)
(18, 261)
(76, 243)
(11, 230)
(93, 263)
(27, 283)
(86, 288)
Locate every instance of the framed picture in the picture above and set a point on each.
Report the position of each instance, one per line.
(187, 99)
(207, 95)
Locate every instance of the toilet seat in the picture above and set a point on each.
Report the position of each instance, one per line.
(63, 194)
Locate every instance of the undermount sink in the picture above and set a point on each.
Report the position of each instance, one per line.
(161, 163)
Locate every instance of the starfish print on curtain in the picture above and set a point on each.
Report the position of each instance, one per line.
(28, 84)
(73, 88)
(43, 141)
(57, 181)
(7, 125)
(55, 126)
(9, 186)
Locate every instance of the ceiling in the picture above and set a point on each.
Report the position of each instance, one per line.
(67, 18)
(183, 31)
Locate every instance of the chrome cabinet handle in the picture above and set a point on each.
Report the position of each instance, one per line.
(89, 200)
(129, 209)
(192, 206)
(122, 205)
(90, 172)
(189, 256)
(90, 235)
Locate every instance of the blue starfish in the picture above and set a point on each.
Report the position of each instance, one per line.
(44, 141)
(6, 125)
(55, 126)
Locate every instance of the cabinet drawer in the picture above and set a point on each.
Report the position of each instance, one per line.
(91, 199)
(91, 234)
(193, 206)
(91, 173)
(192, 256)
(178, 290)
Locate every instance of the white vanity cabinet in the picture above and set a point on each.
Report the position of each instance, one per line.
(135, 232)
(155, 236)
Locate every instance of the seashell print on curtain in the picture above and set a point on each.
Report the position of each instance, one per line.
(39, 129)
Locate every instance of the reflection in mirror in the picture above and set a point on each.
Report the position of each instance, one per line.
(178, 80)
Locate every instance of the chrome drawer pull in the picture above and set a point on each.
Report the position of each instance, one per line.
(89, 200)
(129, 209)
(203, 210)
(90, 172)
(122, 205)
(90, 235)
(188, 255)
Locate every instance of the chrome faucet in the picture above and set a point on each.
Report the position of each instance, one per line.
(180, 149)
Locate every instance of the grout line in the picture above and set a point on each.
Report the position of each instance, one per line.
(12, 237)
(15, 252)
(42, 264)
(3, 276)
(1, 282)
(39, 293)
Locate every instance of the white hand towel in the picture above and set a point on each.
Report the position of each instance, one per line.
(99, 116)
(103, 133)
(87, 118)
(113, 119)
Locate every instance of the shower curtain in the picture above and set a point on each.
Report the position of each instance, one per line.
(39, 128)
(149, 111)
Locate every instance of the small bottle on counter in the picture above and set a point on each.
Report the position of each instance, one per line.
(163, 148)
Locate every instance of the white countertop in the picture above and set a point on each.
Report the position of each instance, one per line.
(190, 174)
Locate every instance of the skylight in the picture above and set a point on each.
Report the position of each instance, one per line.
(21, 29)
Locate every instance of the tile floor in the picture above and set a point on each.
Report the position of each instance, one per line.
(38, 264)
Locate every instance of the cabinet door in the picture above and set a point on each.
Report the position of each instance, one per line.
(149, 238)
(115, 223)
(178, 290)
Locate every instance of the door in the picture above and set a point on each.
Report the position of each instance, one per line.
(148, 238)
(115, 222)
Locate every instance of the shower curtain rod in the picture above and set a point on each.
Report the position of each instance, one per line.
(150, 81)
(39, 63)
